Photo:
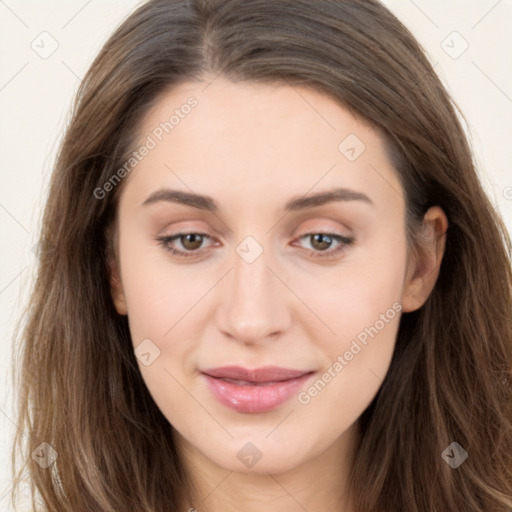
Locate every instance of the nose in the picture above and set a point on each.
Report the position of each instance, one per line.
(254, 303)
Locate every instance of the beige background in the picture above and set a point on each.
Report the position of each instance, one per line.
(35, 95)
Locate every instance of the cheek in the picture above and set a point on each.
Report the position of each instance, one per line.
(346, 298)
(367, 285)
(362, 307)
(157, 292)
(355, 362)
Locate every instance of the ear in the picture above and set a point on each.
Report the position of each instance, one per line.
(116, 289)
(116, 285)
(425, 261)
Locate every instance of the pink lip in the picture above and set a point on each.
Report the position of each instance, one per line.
(257, 390)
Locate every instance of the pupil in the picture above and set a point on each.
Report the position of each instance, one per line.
(323, 244)
(192, 241)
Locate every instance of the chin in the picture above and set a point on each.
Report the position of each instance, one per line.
(258, 457)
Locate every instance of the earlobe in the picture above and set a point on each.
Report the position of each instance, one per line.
(425, 263)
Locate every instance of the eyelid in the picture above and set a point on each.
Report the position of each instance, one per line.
(343, 243)
(166, 239)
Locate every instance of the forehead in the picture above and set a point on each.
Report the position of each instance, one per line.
(243, 139)
(245, 114)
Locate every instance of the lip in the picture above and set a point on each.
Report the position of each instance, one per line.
(254, 390)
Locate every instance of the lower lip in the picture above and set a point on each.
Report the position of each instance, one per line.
(254, 398)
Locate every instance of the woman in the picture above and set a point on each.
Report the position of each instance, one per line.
(269, 276)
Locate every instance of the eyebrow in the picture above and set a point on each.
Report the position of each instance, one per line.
(202, 202)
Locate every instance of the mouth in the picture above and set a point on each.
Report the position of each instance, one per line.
(254, 391)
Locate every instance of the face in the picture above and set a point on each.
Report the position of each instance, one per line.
(264, 314)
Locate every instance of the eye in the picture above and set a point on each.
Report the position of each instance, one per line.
(321, 244)
(190, 242)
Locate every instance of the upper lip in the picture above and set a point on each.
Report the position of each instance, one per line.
(263, 374)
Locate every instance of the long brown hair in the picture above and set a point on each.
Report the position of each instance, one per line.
(450, 380)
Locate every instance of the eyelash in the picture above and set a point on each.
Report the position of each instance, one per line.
(344, 243)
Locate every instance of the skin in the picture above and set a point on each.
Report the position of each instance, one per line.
(252, 148)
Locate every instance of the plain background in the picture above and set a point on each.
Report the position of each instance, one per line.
(469, 41)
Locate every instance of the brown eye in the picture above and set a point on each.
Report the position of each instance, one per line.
(191, 241)
(189, 244)
(326, 245)
(321, 241)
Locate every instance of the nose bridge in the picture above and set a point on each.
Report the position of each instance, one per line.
(253, 307)
(250, 273)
